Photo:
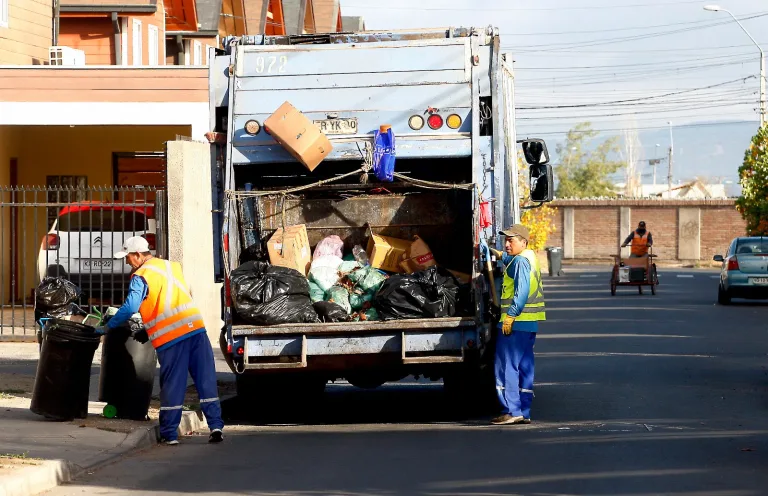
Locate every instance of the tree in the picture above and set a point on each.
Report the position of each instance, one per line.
(584, 173)
(753, 176)
(540, 220)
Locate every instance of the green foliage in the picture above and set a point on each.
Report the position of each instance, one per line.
(753, 176)
(584, 173)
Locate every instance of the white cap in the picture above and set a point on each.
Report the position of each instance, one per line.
(136, 244)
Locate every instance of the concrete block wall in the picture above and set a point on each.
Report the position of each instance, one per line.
(682, 230)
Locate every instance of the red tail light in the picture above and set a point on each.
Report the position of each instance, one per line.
(151, 240)
(240, 350)
(435, 121)
(51, 242)
(733, 264)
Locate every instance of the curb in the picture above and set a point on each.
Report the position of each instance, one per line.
(52, 473)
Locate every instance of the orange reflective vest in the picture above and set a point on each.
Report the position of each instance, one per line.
(640, 244)
(168, 311)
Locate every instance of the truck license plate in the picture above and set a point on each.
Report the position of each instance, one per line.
(97, 263)
(760, 280)
(338, 126)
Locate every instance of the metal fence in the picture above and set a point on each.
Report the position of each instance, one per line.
(69, 232)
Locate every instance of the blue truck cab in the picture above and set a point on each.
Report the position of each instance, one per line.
(447, 95)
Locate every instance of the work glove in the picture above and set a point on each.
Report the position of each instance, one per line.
(141, 336)
(101, 330)
(623, 246)
(506, 325)
(485, 251)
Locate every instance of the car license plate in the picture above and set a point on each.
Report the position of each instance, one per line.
(338, 126)
(107, 264)
(760, 280)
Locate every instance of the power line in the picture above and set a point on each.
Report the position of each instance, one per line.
(518, 9)
(649, 128)
(624, 39)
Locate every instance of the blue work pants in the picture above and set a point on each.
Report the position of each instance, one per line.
(514, 372)
(193, 356)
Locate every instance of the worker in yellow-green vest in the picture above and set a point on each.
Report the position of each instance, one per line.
(522, 308)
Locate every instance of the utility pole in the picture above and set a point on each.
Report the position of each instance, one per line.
(717, 8)
(656, 163)
(671, 152)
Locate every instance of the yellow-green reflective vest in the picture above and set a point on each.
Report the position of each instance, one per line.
(534, 308)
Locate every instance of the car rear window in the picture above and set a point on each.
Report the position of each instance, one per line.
(747, 246)
(112, 220)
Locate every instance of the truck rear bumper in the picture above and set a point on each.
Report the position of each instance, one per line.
(416, 341)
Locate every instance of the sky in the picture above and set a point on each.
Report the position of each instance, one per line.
(619, 64)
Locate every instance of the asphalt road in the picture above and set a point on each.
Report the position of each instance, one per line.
(635, 395)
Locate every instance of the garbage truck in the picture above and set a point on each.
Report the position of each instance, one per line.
(448, 97)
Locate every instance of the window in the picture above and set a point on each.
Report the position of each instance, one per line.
(154, 40)
(198, 53)
(3, 13)
(137, 45)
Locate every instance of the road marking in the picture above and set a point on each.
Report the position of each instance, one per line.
(593, 275)
(686, 276)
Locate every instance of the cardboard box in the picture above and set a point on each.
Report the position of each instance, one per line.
(417, 257)
(299, 135)
(386, 253)
(291, 249)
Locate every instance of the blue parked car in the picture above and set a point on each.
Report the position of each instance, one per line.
(745, 270)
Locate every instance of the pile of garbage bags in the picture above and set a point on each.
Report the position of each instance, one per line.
(339, 288)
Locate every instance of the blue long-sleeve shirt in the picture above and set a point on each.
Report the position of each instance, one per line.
(519, 269)
(137, 291)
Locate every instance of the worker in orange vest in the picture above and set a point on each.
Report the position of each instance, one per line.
(640, 240)
(175, 326)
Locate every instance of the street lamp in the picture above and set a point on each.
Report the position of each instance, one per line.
(717, 8)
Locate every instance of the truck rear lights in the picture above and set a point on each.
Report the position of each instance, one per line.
(51, 242)
(733, 264)
(453, 121)
(435, 121)
(416, 122)
(252, 127)
(240, 350)
(151, 240)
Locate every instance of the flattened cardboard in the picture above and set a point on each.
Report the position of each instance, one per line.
(299, 135)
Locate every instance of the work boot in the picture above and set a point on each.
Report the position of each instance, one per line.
(216, 436)
(526, 421)
(507, 419)
(169, 442)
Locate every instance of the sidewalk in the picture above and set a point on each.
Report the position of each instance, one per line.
(37, 454)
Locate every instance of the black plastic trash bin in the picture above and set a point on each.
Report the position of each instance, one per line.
(555, 260)
(64, 370)
(127, 375)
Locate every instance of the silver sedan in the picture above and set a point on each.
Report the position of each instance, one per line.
(745, 270)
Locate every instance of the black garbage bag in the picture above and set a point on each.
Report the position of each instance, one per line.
(265, 294)
(331, 312)
(55, 293)
(427, 294)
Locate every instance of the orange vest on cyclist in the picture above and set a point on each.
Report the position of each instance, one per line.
(168, 311)
(640, 244)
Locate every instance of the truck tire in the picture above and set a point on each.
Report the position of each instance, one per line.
(472, 388)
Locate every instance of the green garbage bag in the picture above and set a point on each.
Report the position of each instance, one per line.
(370, 314)
(316, 293)
(357, 300)
(348, 266)
(340, 296)
(368, 279)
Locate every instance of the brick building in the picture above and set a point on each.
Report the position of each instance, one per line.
(683, 230)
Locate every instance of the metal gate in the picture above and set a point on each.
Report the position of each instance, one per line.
(72, 233)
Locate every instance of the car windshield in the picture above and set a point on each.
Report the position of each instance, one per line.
(97, 220)
(748, 246)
